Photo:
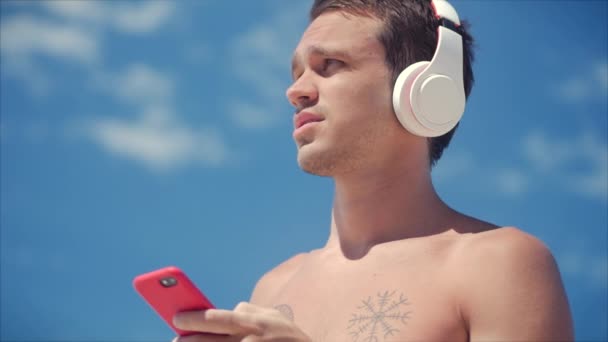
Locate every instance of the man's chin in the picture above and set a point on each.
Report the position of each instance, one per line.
(315, 170)
(311, 161)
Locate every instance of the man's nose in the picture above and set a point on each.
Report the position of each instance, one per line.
(303, 92)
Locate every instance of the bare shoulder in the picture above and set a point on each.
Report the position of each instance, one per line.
(275, 278)
(510, 287)
(506, 253)
(504, 242)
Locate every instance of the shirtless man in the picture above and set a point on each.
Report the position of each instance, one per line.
(399, 264)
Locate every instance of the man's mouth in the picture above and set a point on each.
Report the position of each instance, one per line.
(304, 118)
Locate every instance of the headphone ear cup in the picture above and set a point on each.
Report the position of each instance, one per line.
(439, 102)
(402, 96)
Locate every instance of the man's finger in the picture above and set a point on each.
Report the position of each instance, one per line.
(207, 338)
(217, 321)
(247, 307)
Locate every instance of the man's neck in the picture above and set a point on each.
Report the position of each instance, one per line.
(383, 206)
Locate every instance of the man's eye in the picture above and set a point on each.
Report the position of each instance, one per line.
(330, 64)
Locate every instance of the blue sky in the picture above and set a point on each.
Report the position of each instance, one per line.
(136, 135)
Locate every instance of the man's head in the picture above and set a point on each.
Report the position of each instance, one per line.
(344, 69)
(408, 35)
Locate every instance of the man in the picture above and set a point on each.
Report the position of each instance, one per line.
(399, 264)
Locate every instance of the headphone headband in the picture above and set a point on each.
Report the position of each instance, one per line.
(443, 10)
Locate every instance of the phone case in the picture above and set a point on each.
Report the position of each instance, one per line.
(169, 291)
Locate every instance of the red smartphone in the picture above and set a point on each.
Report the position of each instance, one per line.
(169, 291)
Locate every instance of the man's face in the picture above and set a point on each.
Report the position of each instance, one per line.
(344, 118)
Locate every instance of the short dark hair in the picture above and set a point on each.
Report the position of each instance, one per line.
(409, 35)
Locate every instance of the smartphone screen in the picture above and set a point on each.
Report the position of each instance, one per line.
(169, 291)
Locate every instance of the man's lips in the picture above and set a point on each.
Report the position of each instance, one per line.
(303, 118)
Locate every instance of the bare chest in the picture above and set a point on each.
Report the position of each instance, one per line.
(371, 301)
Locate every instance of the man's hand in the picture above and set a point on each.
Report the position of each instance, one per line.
(246, 323)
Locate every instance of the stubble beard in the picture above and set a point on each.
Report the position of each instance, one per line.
(339, 159)
(327, 163)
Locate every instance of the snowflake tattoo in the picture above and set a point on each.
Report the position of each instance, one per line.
(379, 319)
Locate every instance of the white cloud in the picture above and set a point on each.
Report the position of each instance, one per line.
(145, 17)
(267, 44)
(601, 74)
(126, 17)
(35, 79)
(88, 11)
(594, 180)
(72, 34)
(593, 83)
(261, 59)
(139, 84)
(575, 89)
(158, 138)
(453, 165)
(26, 38)
(23, 36)
(590, 269)
(599, 271)
(457, 165)
(578, 164)
(158, 141)
(250, 116)
(266, 84)
(545, 154)
(511, 181)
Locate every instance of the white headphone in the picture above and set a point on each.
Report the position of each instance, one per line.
(428, 97)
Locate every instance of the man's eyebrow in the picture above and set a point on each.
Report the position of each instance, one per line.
(320, 51)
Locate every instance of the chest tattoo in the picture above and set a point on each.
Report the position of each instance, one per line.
(377, 318)
(286, 310)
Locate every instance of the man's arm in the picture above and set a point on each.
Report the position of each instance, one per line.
(515, 291)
